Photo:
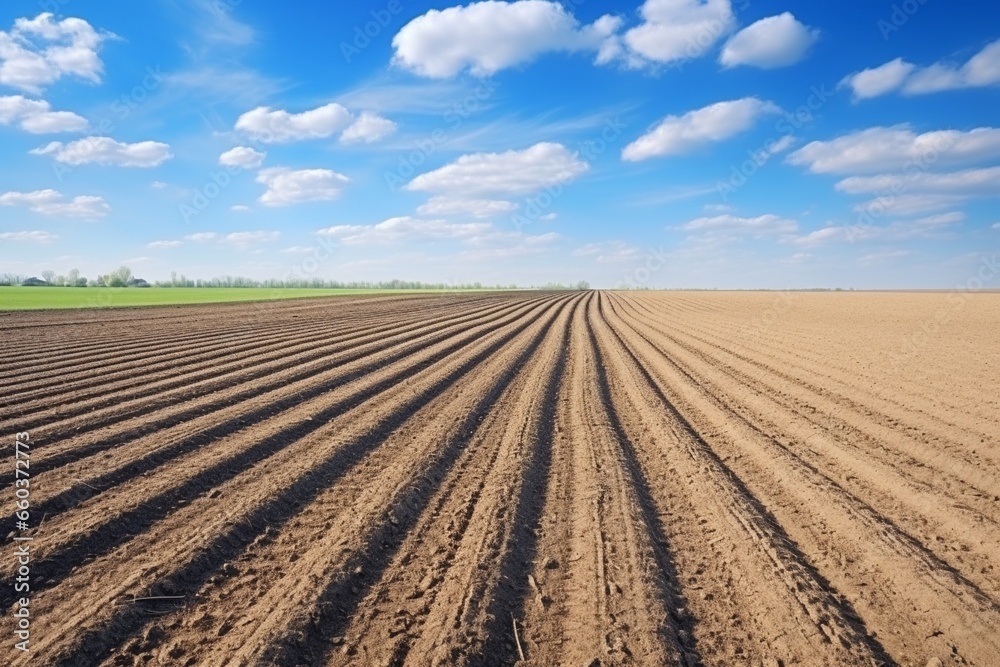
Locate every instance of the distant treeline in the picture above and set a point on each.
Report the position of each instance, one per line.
(123, 277)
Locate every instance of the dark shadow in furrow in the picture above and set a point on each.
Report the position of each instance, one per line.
(512, 588)
(931, 560)
(73, 410)
(138, 348)
(135, 373)
(676, 606)
(80, 492)
(97, 644)
(103, 539)
(177, 357)
(340, 599)
(846, 610)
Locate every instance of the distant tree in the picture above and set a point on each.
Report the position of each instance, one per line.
(120, 277)
(73, 277)
(49, 276)
(583, 285)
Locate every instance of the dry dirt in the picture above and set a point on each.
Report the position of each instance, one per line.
(592, 479)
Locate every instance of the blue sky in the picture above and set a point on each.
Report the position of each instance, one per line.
(665, 143)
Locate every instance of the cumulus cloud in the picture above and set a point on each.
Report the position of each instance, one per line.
(676, 135)
(486, 37)
(243, 157)
(37, 52)
(368, 128)
(510, 173)
(36, 116)
(983, 69)
(52, 202)
(898, 147)
(279, 126)
(477, 208)
(675, 30)
(107, 151)
(879, 80)
(287, 186)
(164, 245)
(776, 41)
(276, 126)
(35, 236)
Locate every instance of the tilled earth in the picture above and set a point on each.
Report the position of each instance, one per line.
(576, 478)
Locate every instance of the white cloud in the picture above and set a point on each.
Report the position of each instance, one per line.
(477, 208)
(107, 151)
(983, 69)
(240, 208)
(39, 51)
(244, 239)
(608, 252)
(278, 126)
(879, 80)
(240, 240)
(776, 41)
(763, 225)
(36, 236)
(548, 217)
(882, 257)
(820, 236)
(941, 219)
(486, 37)
(51, 202)
(201, 237)
(404, 229)
(510, 173)
(368, 128)
(968, 182)
(286, 186)
(675, 30)
(898, 147)
(158, 185)
(36, 116)
(243, 157)
(682, 134)
(297, 250)
(908, 204)
(995, 225)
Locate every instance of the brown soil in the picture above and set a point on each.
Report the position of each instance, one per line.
(586, 479)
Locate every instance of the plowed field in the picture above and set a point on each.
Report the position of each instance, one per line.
(578, 478)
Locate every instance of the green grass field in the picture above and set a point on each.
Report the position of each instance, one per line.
(43, 298)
